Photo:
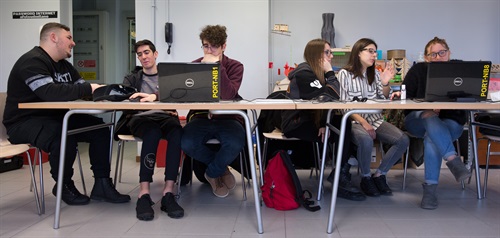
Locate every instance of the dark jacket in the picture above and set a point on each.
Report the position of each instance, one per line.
(35, 77)
(305, 85)
(415, 81)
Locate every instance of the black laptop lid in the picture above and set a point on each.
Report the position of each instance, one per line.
(457, 81)
(188, 82)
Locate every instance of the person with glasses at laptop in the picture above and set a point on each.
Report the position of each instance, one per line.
(314, 79)
(360, 81)
(151, 126)
(438, 128)
(202, 126)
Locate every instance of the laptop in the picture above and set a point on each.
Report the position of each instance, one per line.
(457, 81)
(188, 82)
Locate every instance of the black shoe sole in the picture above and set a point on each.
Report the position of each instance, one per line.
(145, 217)
(175, 215)
(109, 200)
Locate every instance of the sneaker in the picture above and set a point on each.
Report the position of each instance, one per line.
(344, 183)
(218, 187)
(369, 188)
(228, 179)
(71, 195)
(458, 169)
(381, 184)
(144, 209)
(171, 207)
(349, 195)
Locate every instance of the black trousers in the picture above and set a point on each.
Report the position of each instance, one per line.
(44, 132)
(151, 129)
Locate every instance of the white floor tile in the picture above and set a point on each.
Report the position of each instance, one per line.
(460, 213)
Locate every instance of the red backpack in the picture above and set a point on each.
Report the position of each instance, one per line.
(282, 189)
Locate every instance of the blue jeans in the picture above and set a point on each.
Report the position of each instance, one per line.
(438, 135)
(198, 131)
(386, 133)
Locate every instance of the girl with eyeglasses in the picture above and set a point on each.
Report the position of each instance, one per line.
(312, 80)
(360, 81)
(438, 128)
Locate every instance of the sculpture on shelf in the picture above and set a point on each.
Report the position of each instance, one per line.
(328, 30)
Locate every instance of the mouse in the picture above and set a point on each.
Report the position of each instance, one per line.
(324, 98)
(136, 99)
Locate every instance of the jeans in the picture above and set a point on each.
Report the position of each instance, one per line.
(232, 139)
(438, 135)
(386, 133)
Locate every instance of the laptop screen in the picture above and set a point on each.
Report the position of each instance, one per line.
(188, 82)
(465, 81)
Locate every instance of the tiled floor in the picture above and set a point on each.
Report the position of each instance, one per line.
(460, 214)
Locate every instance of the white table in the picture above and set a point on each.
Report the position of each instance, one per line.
(223, 107)
(375, 107)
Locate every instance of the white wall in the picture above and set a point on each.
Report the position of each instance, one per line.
(21, 35)
(471, 28)
(247, 29)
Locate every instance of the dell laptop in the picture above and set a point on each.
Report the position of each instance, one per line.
(457, 81)
(188, 82)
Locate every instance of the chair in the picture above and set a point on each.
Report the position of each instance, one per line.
(276, 134)
(122, 139)
(8, 150)
(490, 139)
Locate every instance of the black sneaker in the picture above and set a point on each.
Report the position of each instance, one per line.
(382, 186)
(369, 188)
(144, 208)
(170, 206)
(71, 195)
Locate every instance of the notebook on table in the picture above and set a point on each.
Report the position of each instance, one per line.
(457, 81)
(188, 82)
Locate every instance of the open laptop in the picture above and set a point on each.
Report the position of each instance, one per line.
(188, 82)
(457, 81)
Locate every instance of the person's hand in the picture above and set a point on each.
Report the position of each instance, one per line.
(369, 128)
(388, 73)
(210, 58)
(95, 86)
(395, 95)
(144, 97)
(327, 65)
(321, 132)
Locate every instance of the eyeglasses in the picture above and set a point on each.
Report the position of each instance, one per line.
(441, 53)
(359, 99)
(211, 47)
(372, 51)
(328, 52)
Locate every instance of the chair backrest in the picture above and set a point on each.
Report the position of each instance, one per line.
(3, 131)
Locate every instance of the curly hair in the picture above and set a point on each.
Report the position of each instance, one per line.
(215, 35)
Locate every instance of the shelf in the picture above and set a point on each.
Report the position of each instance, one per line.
(286, 33)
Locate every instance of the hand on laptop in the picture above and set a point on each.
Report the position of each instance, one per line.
(143, 97)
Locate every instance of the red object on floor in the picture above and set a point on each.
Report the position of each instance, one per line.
(161, 154)
(45, 156)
